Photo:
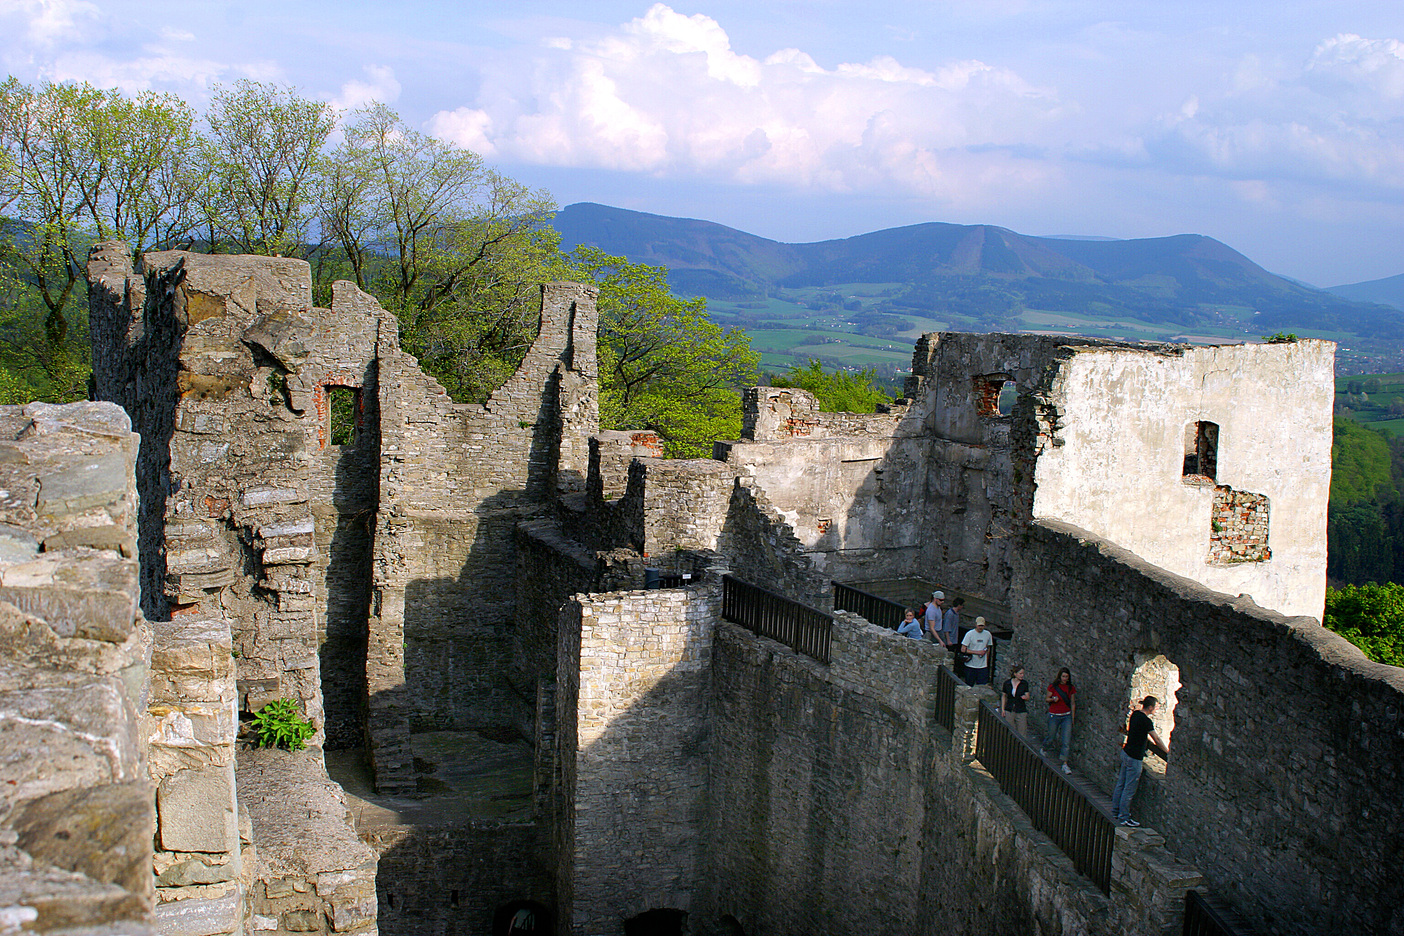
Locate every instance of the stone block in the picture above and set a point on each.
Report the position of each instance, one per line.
(196, 870)
(196, 916)
(304, 921)
(92, 482)
(196, 810)
(70, 730)
(87, 595)
(103, 832)
(354, 913)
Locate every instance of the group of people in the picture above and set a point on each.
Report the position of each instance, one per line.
(939, 624)
(1062, 707)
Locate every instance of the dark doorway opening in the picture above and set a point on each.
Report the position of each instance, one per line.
(522, 918)
(658, 922)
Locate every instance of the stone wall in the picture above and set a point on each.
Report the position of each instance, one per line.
(987, 871)
(455, 481)
(1281, 784)
(256, 541)
(762, 549)
(633, 688)
(818, 782)
(77, 812)
(850, 485)
(779, 414)
(458, 879)
(837, 805)
(1129, 421)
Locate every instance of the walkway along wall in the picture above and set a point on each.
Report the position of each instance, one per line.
(1283, 783)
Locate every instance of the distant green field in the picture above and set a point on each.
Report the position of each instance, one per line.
(832, 330)
(1379, 402)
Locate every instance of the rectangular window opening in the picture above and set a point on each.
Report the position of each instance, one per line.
(1201, 451)
(344, 415)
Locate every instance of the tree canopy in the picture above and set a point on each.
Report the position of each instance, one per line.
(454, 248)
(664, 365)
(837, 391)
(1371, 617)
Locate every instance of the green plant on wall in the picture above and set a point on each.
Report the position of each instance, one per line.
(280, 724)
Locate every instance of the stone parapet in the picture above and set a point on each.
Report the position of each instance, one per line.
(76, 806)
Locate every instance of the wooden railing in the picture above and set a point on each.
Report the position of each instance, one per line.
(875, 610)
(769, 614)
(1055, 807)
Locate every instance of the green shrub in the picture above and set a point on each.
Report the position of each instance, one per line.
(1371, 617)
(280, 724)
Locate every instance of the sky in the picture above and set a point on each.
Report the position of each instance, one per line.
(1276, 127)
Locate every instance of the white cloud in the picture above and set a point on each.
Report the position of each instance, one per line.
(45, 22)
(1337, 119)
(666, 93)
(382, 86)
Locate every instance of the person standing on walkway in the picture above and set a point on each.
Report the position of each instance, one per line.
(1014, 700)
(950, 623)
(977, 643)
(1139, 730)
(1062, 706)
(934, 609)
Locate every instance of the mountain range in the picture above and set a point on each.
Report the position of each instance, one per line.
(983, 274)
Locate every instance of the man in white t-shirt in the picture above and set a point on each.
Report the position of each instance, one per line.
(977, 643)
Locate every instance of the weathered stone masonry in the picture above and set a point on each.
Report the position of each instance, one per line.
(456, 567)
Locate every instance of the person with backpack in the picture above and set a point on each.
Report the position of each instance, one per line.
(1062, 706)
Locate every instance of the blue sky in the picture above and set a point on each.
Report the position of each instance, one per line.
(1275, 127)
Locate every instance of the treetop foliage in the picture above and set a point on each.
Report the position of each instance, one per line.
(1370, 616)
(663, 364)
(837, 391)
(455, 249)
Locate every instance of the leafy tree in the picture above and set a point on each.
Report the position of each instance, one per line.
(455, 249)
(1371, 617)
(78, 164)
(837, 391)
(261, 159)
(664, 365)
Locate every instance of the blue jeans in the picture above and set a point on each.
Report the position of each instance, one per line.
(1126, 781)
(1059, 730)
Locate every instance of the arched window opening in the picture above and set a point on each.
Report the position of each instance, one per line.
(990, 392)
(1155, 675)
(522, 918)
(657, 922)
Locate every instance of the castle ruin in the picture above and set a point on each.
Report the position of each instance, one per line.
(446, 588)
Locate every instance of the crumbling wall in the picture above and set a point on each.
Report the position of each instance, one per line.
(455, 481)
(1122, 471)
(762, 548)
(850, 485)
(250, 494)
(633, 693)
(76, 806)
(1281, 784)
